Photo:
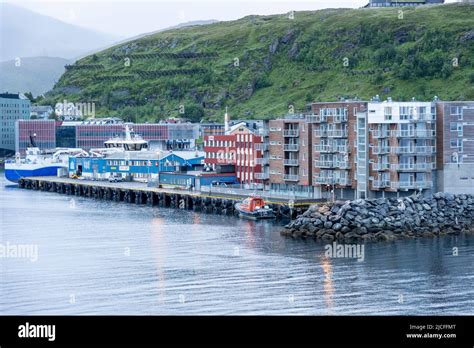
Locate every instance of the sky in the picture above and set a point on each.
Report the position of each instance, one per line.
(127, 18)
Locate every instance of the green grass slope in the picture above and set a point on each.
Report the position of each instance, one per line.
(260, 66)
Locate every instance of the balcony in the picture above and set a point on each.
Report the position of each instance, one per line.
(339, 119)
(331, 148)
(262, 161)
(380, 166)
(316, 119)
(419, 150)
(261, 147)
(291, 147)
(379, 150)
(291, 177)
(290, 133)
(380, 184)
(344, 182)
(380, 133)
(324, 164)
(330, 180)
(423, 118)
(411, 185)
(413, 167)
(262, 176)
(324, 180)
(342, 164)
(412, 133)
(321, 133)
(337, 133)
(291, 162)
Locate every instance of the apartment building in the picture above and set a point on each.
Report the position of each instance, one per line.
(455, 146)
(334, 144)
(290, 156)
(402, 148)
(13, 107)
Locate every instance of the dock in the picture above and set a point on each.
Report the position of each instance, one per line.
(221, 202)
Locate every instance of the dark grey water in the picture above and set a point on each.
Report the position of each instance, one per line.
(97, 257)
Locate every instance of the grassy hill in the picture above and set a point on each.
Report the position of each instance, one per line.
(260, 65)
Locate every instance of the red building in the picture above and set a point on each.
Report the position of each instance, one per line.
(242, 148)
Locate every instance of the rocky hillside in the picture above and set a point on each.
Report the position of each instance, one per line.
(258, 66)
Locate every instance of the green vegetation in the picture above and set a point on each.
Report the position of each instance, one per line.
(265, 64)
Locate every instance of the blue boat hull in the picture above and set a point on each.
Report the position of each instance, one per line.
(14, 175)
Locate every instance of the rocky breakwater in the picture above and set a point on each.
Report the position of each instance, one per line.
(386, 219)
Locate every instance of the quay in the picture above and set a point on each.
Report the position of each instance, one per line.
(219, 202)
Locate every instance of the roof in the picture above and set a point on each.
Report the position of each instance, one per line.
(43, 108)
(186, 155)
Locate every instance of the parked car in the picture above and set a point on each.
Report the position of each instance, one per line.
(115, 179)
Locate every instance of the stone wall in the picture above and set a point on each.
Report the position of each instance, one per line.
(386, 219)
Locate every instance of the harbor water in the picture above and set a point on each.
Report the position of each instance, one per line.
(101, 257)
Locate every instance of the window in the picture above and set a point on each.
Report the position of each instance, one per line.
(456, 144)
(456, 111)
(388, 113)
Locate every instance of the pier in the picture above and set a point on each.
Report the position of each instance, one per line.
(221, 203)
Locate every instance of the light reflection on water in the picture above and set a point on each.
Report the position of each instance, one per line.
(117, 258)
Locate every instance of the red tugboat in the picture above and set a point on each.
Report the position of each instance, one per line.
(254, 208)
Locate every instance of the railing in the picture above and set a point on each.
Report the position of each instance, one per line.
(342, 164)
(323, 164)
(379, 133)
(262, 161)
(290, 162)
(330, 180)
(324, 179)
(339, 119)
(331, 148)
(262, 176)
(377, 150)
(414, 149)
(411, 184)
(412, 133)
(261, 147)
(423, 118)
(413, 166)
(290, 133)
(290, 147)
(337, 133)
(291, 177)
(322, 133)
(380, 166)
(316, 118)
(378, 184)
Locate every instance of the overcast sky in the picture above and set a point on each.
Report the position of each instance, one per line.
(127, 18)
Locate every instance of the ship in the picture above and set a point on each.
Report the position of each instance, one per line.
(254, 208)
(39, 163)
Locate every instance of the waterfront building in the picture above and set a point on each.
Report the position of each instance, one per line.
(334, 147)
(402, 147)
(289, 156)
(211, 128)
(93, 133)
(13, 107)
(43, 133)
(240, 147)
(136, 165)
(455, 146)
(196, 179)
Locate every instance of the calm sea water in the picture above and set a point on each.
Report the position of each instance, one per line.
(98, 257)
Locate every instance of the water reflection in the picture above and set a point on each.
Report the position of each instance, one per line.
(327, 283)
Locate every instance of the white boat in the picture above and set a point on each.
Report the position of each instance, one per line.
(38, 163)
